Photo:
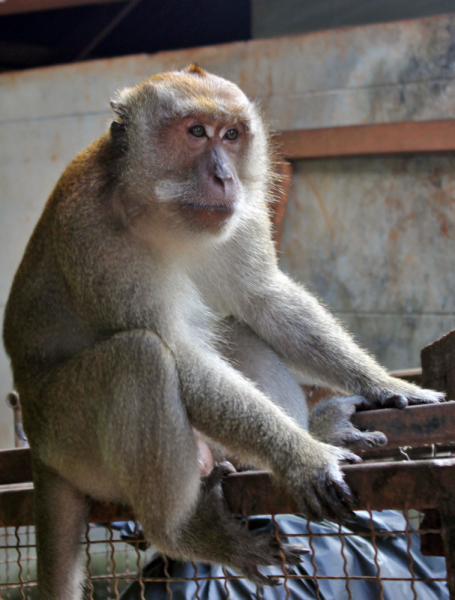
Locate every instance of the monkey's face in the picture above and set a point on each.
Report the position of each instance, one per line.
(196, 150)
(202, 178)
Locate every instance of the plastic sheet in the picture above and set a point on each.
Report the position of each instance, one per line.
(392, 553)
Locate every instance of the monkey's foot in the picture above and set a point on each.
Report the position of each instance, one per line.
(330, 423)
(278, 555)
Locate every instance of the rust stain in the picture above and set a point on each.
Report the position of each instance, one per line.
(53, 157)
(392, 203)
(321, 203)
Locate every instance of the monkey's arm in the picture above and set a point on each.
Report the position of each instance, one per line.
(312, 341)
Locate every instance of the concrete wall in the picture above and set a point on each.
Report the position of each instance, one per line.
(272, 18)
(373, 237)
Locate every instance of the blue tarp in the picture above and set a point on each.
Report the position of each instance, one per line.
(393, 559)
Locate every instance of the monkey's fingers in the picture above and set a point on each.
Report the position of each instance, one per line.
(293, 553)
(342, 502)
(426, 397)
(261, 579)
(415, 395)
(252, 573)
(361, 403)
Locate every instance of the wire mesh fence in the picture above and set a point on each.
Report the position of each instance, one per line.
(376, 556)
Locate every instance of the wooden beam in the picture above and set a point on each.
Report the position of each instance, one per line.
(383, 138)
(9, 7)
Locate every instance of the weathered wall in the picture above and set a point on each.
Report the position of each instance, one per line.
(373, 237)
(271, 18)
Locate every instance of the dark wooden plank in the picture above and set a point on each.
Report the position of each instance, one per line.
(382, 138)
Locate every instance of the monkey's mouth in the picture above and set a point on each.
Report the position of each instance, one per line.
(218, 207)
(211, 217)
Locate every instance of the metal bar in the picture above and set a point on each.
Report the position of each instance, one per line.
(8, 8)
(417, 484)
(382, 138)
(447, 513)
(411, 426)
(85, 53)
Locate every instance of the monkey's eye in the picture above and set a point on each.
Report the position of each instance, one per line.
(198, 131)
(231, 134)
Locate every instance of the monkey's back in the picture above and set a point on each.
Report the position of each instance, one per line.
(42, 324)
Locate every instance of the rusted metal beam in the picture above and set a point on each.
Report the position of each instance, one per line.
(411, 426)
(382, 138)
(379, 486)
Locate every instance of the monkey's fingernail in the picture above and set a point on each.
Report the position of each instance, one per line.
(353, 458)
(228, 467)
(300, 549)
(400, 401)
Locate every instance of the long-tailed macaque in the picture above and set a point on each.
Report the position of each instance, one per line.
(149, 302)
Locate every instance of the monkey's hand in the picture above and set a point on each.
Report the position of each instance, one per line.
(330, 422)
(397, 393)
(317, 482)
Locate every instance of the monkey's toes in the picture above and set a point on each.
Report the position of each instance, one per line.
(293, 553)
(254, 575)
(365, 439)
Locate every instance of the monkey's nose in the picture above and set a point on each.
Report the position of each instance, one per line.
(223, 181)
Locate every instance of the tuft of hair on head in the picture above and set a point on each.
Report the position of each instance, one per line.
(195, 69)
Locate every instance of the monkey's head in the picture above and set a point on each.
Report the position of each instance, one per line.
(195, 152)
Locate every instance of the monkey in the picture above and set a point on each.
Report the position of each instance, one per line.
(148, 306)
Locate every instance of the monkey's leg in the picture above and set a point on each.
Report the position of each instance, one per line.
(330, 422)
(120, 432)
(60, 516)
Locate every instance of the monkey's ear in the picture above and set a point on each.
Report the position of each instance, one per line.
(195, 69)
(119, 125)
